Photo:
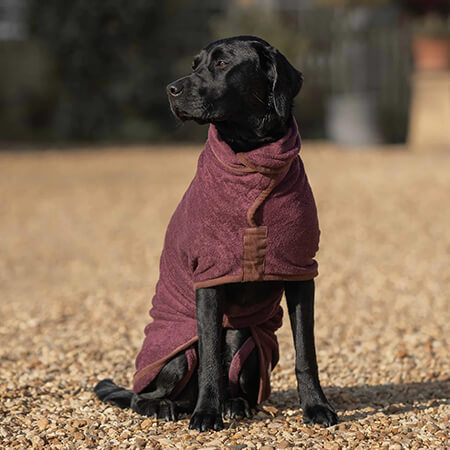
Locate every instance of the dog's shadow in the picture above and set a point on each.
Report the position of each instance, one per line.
(365, 400)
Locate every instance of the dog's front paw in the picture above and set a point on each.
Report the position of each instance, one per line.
(206, 420)
(320, 414)
(237, 408)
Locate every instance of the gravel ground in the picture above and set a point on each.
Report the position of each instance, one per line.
(80, 238)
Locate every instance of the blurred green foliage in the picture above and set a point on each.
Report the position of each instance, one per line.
(112, 61)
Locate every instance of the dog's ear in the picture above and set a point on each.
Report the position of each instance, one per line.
(286, 81)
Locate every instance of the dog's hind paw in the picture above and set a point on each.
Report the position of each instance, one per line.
(319, 414)
(204, 421)
(159, 409)
(237, 408)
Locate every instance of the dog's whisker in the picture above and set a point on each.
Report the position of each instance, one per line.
(254, 95)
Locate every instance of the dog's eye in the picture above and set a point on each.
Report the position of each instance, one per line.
(221, 63)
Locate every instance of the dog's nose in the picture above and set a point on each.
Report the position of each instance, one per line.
(175, 89)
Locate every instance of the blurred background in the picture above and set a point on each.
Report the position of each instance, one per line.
(376, 71)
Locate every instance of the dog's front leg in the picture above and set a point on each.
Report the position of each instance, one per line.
(208, 410)
(300, 301)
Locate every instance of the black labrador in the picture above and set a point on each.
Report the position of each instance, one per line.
(246, 88)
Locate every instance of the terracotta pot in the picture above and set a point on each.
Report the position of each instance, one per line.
(431, 53)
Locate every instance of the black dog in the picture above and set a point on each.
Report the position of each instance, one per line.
(246, 89)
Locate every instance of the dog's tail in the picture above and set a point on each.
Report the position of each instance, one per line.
(108, 391)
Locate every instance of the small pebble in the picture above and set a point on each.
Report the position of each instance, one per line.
(42, 424)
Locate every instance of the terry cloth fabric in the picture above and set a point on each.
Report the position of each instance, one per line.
(245, 217)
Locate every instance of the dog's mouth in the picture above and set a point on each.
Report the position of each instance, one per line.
(184, 116)
(179, 113)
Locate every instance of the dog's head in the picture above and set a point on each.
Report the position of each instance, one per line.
(236, 79)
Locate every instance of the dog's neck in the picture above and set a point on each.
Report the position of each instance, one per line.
(251, 133)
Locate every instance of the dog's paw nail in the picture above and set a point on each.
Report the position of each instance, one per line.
(167, 410)
(319, 414)
(237, 408)
(206, 421)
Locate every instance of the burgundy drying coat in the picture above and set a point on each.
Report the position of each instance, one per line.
(245, 217)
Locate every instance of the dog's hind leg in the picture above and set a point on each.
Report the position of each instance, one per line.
(108, 391)
(185, 401)
(242, 377)
(157, 399)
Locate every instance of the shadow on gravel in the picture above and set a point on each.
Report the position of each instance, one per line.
(385, 398)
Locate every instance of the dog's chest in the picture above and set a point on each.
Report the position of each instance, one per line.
(252, 293)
